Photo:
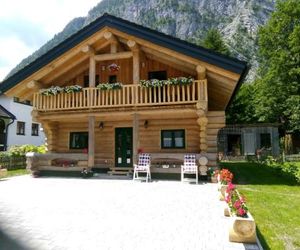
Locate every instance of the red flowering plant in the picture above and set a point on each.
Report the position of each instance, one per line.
(235, 201)
(225, 176)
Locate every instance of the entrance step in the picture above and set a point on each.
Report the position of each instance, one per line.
(120, 171)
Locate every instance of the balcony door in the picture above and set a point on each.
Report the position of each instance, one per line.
(123, 147)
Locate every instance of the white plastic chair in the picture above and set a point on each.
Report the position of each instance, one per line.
(143, 166)
(189, 167)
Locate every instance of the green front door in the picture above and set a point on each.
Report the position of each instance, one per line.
(123, 144)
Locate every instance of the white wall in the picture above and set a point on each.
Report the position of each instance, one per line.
(23, 114)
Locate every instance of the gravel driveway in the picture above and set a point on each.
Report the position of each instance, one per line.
(101, 213)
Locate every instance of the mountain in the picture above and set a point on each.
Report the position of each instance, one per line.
(237, 20)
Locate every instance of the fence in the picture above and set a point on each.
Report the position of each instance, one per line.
(295, 157)
(13, 162)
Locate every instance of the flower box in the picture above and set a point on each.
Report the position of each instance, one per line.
(242, 226)
(241, 229)
(222, 189)
(3, 172)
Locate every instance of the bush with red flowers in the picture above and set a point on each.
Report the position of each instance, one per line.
(225, 176)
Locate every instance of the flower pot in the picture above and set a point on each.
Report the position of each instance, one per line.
(3, 172)
(214, 179)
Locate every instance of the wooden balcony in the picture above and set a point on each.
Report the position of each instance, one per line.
(128, 96)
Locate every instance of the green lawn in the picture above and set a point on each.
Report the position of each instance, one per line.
(16, 172)
(273, 200)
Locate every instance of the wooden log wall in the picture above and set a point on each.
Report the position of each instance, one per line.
(150, 137)
(216, 121)
(125, 75)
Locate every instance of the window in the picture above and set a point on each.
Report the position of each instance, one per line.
(17, 100)
(265, 140)
(159, 75)
(35, 129)
(79, 140)
(20, 128)
(112, 79)
(173, 138)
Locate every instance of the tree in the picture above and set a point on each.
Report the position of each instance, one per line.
(278, 86)
(214, 40)
(242, 108)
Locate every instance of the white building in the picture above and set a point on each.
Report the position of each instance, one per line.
(16, 125)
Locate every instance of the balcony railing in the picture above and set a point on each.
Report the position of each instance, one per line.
(129, 95)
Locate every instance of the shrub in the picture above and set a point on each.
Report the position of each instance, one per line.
(23, 149)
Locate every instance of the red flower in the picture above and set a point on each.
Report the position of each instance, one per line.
(241, 211)
(227, 198)
(237, 204)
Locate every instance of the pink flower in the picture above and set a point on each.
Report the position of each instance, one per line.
(230, 187)
(227, 198)
(242, 199)
(237, 204)
(241, 211)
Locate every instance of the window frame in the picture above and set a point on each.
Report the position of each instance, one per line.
(37, 131)
(71, 134)
(173, 144)
(19, 132)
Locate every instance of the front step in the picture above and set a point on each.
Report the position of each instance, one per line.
(120, 171)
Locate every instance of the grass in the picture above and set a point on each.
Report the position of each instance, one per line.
(273, 200)
(16, 172)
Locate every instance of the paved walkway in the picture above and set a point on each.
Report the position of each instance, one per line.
(87, 214)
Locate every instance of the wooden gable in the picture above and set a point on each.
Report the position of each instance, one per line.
(68, 62)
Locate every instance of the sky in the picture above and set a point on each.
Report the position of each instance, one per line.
(25, 25)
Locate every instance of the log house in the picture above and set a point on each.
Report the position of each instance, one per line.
(115, 125)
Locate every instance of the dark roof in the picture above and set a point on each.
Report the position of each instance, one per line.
(133, 29)
(4, 113)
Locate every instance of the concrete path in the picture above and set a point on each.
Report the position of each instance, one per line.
(99, 213)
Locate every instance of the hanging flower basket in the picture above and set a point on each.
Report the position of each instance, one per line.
(113, 67)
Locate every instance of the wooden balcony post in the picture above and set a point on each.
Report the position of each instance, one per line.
(201, 72)
(202, 122)
(136, 140)
(91, 149)
(136, 60)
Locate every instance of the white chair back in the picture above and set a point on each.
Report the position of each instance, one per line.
(144, 159)
(189, 160)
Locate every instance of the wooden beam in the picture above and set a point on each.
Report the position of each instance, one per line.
(88, 49)
(34, 85)
(136, 140)
(92, 71)
(201, 72)
(119, 55)
(113, 41)
(132, 45)
(91, 149)
(136, 66)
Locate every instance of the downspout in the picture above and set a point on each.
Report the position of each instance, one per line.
(6, 133)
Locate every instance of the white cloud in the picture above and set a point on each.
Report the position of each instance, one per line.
(38, 22)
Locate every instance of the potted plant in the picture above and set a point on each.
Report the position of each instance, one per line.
(212, 175)
(242, 227)
(110, 86)
(86, 173)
